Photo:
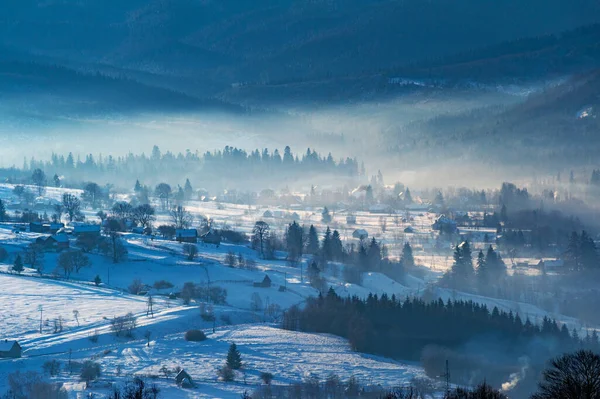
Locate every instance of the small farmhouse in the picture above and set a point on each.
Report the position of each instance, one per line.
(266, 283)
(56, 242)
(212, 237)
(184, 380)
(93, 229)
(186, 235)
(10, 349)
(360, 234)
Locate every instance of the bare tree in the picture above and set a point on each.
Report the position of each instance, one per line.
(163, 191)
(39, 180)
(150, 311)
(71, 206)
(122, 210)
(144, 215)
(92, 194)
(260, 233)
(136, 286)
(190, 251)
(76, 315)
(102, 216)
(571, 376)
(34, 256)
(181, 218)
(72, 261)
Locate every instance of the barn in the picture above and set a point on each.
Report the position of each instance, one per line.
(186, 235)
(10, 349)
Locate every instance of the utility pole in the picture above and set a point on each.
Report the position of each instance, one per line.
(41, 310)
(447, 379)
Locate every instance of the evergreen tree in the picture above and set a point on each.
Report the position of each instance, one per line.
(407, 196)
(573, 252)
(439, 199)
(312, 245)
(588, 251)
(234, 359)
(18, 265)
(374, 255)
(138, 187)
(482, 272)
(294, 241)
(3, 214)
(503, 214)
(326, 216)
(326, 247)
(188, 191)
(462, 269)
(407, 259)
(337, 248)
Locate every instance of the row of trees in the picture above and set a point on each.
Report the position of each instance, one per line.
(433, 332)
(230, 162)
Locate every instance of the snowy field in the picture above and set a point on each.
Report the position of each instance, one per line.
(290, 356)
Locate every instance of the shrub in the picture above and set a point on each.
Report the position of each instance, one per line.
(226, 373)
(162, 285)
(225, 319)
(90, 371)
(195, 336)
(266, 377)
(3, 254)
(234, 237)
(190, 251)
(123, 325)
(136, 286)
(51, 367)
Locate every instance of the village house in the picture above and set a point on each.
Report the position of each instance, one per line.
(212, 237)
(92, 229)
(10, 349)
(266, 283)
(184, 380)
(186, 235)
(56, 242)
(39, 227)
(360, 234)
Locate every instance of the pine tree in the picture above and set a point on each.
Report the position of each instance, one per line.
(312, 245)
(337, 248)
(325, 216)
(407, 196)
(462, 270)
(374, 255)
(234, 359)
(589, 252)
(188, 191)
(573, 253)
(407, 259)
(326, 247)
(482, 272)
(138, 187)
(2, 211)
(18, 265)
(294, 241)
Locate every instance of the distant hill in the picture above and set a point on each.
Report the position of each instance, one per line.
(95, 93)
(552, 129)
(238, 40)
(544, 56)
